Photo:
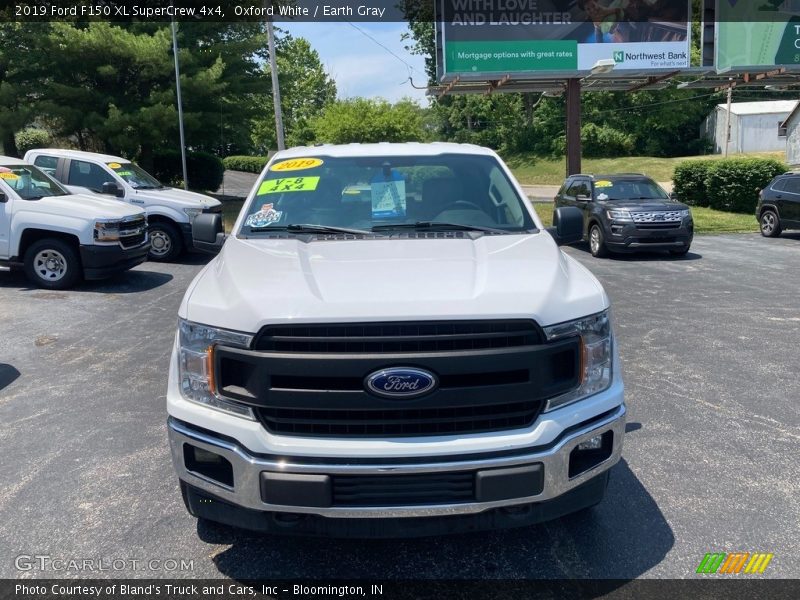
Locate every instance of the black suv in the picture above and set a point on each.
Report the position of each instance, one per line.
(628, 212)
(778, 205)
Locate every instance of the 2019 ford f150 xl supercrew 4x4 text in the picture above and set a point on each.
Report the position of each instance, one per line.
(416, 360)
(170, 211)
(59, 237)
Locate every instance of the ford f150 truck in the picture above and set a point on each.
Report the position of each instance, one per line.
(59, 237)
(390, 344)
(170, 211)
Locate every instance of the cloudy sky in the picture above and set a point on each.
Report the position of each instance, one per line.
(360, 66)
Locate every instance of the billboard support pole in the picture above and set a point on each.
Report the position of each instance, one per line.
(574, 150)
(728, 119)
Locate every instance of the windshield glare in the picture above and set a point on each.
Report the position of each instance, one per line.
(30, 183)
(628, 189)
(362, 193)
(135, 176)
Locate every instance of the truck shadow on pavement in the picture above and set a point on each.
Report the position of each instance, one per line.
(8, 375)
(621, 538)
(128, 282)
(642, 256)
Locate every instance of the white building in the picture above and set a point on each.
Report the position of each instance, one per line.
(755, 126)
(792, 129)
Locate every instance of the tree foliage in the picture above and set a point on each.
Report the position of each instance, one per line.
(363, 120)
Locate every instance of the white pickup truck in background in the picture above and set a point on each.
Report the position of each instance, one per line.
(170, 211)
(60, 238)
(390, 343)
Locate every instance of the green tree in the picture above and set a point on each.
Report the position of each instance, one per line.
(364, 120)
(306, 89)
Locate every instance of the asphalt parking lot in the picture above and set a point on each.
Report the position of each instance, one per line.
(709, 347)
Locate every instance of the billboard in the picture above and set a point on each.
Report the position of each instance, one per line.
(547, 38)
(756, 34)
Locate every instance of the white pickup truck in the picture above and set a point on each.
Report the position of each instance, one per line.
(59, 237)
(391, 344)
(170, 211)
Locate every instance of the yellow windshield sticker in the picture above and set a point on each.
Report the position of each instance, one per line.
(288, 184)
(297, 164)
(125, 173)
(603, 184)
(115, 165)
(5, 175)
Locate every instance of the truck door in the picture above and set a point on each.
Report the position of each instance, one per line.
(88, 175)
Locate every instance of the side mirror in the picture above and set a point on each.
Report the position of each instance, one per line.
(567, 225)
(112, 189)
(3, 198)
(208, 234)
(673, 196)
(583, 197)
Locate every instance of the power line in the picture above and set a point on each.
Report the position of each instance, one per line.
(408, 66)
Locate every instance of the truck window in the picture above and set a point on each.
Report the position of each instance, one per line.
(48, 164)
(88, 175)
(29, 182)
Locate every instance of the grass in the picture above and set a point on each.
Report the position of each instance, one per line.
(706, 220)
(533, 170)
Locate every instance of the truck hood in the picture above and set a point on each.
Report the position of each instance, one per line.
(644, 205)
(255, 282)
(175, 196)
(83, 206)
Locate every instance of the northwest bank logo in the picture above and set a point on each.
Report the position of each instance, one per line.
(734, 563)
(619, 56)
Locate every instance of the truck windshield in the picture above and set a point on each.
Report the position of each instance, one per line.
(135, 176)
(30, 183)
(384, 194)
(628, 189)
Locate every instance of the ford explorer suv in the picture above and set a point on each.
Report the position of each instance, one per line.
(59, 238)
(778, 205)
(418, 360)
(170, 211)
(626, 213)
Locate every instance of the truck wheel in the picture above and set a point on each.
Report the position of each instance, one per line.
(770, 224)
(52, 264)
(165, 242)
(597, 242)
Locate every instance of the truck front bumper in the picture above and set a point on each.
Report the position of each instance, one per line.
(100, 262)
(298, 495)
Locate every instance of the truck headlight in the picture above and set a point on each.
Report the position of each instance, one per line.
(106, 231)
(196, 365)
(620, 215)
(192, 212)
(596, 355)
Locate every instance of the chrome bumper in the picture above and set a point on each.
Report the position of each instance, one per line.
(247, 469)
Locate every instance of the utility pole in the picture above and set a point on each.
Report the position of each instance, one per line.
(180, 104)
(276, 89)
(728, 118)
(573, 126)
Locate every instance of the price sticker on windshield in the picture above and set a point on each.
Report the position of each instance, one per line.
(4, 175)
(288, 184)
(297, 164)
(115, 165)
(603, 184)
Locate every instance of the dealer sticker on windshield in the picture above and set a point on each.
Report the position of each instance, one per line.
(264, 217)
(297, 164)
(288, 184)
(603, 184)
(4, 175)
(115, 165)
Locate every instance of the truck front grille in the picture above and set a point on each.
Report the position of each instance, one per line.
(399, 422)
(133, 232)
(403, 490)
(400, 337)
(657, 217)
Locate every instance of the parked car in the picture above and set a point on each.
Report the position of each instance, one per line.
(170, 211)
(778, 205)
(626, 213)
(58, 237)
(414, 360)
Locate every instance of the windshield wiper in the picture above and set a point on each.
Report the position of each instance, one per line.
(309, 228)
(439, 225)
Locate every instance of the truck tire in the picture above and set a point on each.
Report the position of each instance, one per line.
(166, 242)
(597, 241)
(770, 224)
(52, 264)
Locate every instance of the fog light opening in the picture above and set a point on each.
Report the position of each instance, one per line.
(590, 453)
(208, 464)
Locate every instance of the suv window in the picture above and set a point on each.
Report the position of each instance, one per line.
(579, 187)
(48, 164)
(791, 185)
(88, 175)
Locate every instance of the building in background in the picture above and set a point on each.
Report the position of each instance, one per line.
(791, 127)
(755, 126)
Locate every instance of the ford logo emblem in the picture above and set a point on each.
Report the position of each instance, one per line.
(401, 382)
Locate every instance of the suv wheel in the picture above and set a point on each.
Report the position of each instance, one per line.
(597, 242)
(52, 264)
(165, 242)
(770, 224)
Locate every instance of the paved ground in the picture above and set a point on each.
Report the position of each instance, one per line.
(239, 184)
(709, 349)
